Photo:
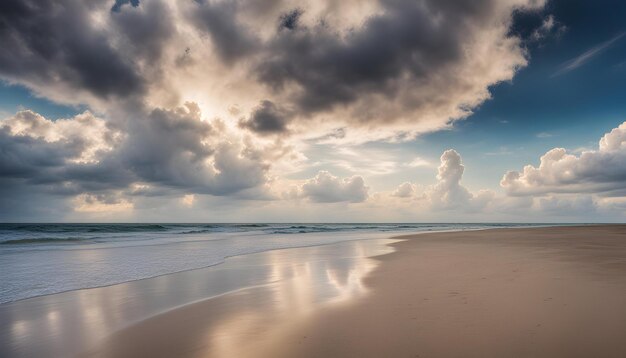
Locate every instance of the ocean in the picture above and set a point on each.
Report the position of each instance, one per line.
(43, 259)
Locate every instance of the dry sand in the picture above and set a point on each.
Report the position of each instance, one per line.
(541, 292)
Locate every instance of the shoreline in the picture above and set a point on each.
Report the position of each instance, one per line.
(544, 251)
(376, 235)
(397, 237)
(209, 266)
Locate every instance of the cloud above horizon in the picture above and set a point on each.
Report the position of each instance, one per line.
(448, 193)
(200, 102)
(327, 188)
(213, 97)
(600, 171)
(159, 151)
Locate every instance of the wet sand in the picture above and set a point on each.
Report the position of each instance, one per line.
(289, 281)
(542, 292)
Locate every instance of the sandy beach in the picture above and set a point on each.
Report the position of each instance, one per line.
(536, 292)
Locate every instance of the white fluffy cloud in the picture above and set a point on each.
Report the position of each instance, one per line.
(447, 193)
(601, 171)
(85, 135)
(327, 188)
(405, 190)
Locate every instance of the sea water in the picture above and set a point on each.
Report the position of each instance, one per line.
(42, 259)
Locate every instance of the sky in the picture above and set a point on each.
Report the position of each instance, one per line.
(312, 111)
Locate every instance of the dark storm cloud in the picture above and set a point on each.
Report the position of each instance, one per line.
(230, 38)
(415, 39)
(34, 161)
(119, 3)
(168, 148)
(176, 149)
(404, 54)
(267, 118)
(46, 42)
(25, 157)
(146, 30)
(290, 20)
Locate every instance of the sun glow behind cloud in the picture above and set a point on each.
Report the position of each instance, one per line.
(257, 108)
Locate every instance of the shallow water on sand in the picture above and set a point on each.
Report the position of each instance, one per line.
(69, 323)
